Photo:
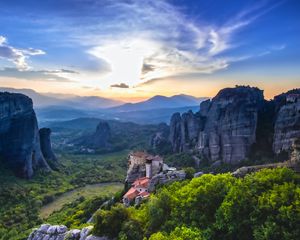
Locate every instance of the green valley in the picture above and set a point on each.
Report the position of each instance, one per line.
(25, 202)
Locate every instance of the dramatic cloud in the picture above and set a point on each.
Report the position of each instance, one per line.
(121, 85)
(17, 56)
(137, 38)
(41, 75)
(134, 41)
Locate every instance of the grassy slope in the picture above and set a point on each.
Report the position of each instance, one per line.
(89, 191)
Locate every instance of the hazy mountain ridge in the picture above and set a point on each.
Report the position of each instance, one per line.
(152, 116)
(55, 107)
(43, 100)
(159, 102)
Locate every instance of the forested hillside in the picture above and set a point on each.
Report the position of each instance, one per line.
(264, 205)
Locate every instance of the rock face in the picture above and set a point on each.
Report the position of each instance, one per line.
(46, 146)
(292, 163)
(230, 124)
(102, 135)
(184, 131)
(60, 232)
(136, 166)
(287, 122)
(160, 139)
(100, 139)
(175, 132)
(223, 129)
(19, 135)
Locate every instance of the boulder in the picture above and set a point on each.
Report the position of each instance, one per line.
(60, 232)
(85, 232)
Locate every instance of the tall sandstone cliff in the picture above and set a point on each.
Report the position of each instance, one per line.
(19, 135)
(46, 148)
(226, 127)
(287, 121)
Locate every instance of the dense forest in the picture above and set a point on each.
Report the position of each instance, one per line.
(263, 205)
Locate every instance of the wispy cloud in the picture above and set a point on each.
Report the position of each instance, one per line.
(32, 75)
(62, 71)
(271, 49)
(16, 55)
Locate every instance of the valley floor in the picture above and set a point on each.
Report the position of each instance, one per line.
(82, 180)
(88, 191)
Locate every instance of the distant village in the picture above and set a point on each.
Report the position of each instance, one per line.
(146, 171)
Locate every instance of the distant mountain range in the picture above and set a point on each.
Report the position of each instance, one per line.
(59, 107)
(160, 102)
(42, 100)
(152, 116)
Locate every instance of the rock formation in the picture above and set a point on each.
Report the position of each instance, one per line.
(223, 129)
(236, 120)
(99, 140)
(102, 135)
(292, 163)
(55, 232)
(287, 122)
(184, 131)
(136, 166)
(160, 139)
(175, 132)
(19, 135)
(46, 146)
(230, 124)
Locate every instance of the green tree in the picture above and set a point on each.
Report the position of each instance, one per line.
(109, 222)
(180, 233)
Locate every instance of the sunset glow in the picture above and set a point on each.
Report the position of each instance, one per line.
(133, 50)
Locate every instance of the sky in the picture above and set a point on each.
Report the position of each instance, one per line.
(134, 49)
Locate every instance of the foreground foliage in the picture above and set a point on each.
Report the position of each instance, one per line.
(263, 205)
(21, 200)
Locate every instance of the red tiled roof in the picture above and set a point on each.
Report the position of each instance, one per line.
(141, 182)
(131, 194)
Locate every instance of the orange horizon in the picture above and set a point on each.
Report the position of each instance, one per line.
(141, 93)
